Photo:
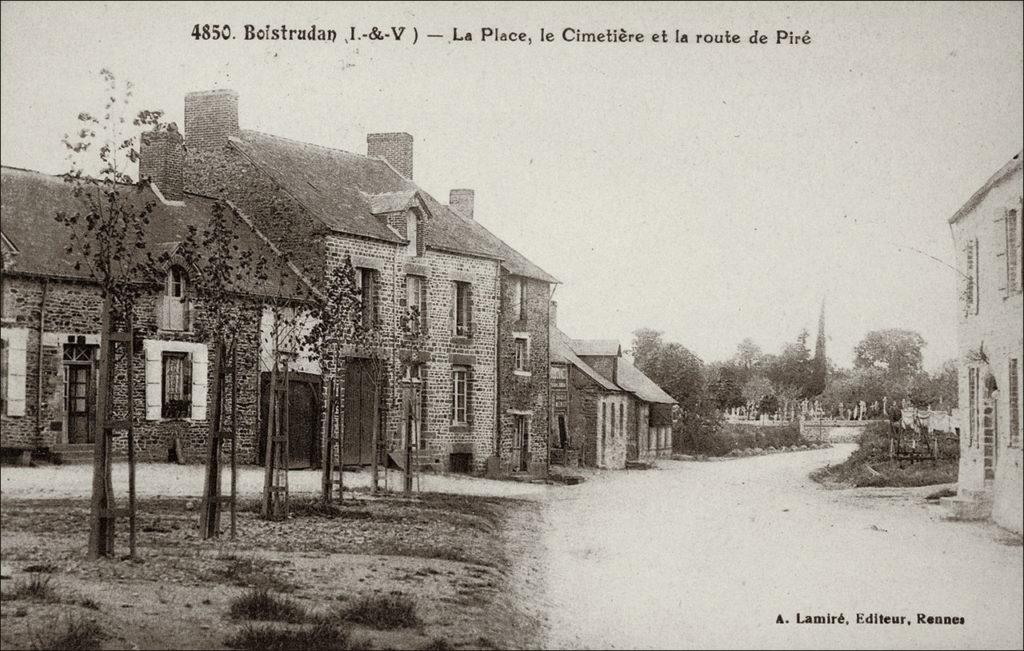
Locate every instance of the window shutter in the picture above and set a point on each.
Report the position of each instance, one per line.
(452, 307)
(154, 379)
(16, 372)
(452, 394)
(968, 280)
(469, 310)
(469, 395)
(423, 405)
(1012, 245)
(423, 306)
(977, 277)
(199, 381)
(403, 301)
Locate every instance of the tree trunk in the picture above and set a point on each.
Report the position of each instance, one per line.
(268, 466)
(101, 534)
(210, 512)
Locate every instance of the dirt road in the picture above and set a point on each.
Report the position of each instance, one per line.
(711, 554)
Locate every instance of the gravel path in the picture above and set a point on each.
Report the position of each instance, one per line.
(710, 554)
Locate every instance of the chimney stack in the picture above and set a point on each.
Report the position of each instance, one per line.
(161, 160)
(461, 201)
(211, 117)
(395, 148)
(553, 314)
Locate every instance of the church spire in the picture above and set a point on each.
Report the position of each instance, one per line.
(819, 367)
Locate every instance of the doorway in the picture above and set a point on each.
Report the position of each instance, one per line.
(521, 462)
(303, 419)
(79, 393)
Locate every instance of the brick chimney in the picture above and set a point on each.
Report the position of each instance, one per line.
(553, 314)
(461, 201)
(161, 160)
(395, 148)
(211, 117)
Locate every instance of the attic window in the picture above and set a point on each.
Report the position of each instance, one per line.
(412, 231)
(177, 282)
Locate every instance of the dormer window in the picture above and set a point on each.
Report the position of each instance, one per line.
(177, 283)
(412, 231)
(174, 315)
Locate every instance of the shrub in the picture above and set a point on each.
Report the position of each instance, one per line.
(382, 612)
(261, 604)
(78, 634)
(38, 588)
(249, 572)
(869, 464)
(319, 636)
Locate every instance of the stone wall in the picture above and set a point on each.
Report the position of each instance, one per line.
(525, 392)
(73, 310)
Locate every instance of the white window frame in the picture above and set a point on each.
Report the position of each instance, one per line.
(462, 383)
(523, 370)
(155, 349)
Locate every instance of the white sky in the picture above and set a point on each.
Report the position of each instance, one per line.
(714, 192)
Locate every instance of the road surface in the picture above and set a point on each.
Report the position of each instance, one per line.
(712, 554)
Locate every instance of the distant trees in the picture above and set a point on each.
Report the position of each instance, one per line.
(896, 350)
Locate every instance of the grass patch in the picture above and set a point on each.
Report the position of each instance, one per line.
(250, 572)
(77, 634)
(319, 636)
(869, 464)
(38, 587)
(382, 612)
(262, 605)
(317, 509)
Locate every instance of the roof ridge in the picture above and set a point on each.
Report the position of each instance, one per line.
(500, 239)
(310, 144)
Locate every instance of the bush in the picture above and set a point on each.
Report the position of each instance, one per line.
(78, 634)
(261, 604)
(382, 612)
(869, 464)
(721, 440)
(319, 636)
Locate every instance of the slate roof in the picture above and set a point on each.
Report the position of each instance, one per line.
(347, 192)
(1011, 166)
(629, 377)
(597, 347)
(562, 351)
(30, 202)
(633, 380)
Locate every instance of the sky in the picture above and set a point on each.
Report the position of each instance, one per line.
(710, 191)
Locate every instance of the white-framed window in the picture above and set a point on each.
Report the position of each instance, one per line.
(177, 282)
(176, 379)
(463, 309)
(460, 395)
(522, 354)
(416, 304)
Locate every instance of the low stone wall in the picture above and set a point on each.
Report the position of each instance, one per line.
(834, 431)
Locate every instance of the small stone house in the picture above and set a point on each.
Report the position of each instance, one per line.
(987, 239)
(605, 412)
(51, 320)
(461, 388)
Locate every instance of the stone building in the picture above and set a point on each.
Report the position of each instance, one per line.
(987, 239)
(605, 412)
(447, 386)
(51, 323)
(523, 331)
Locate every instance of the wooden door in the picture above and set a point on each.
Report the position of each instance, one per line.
(78, 389)
(302, 425)
(359, 414)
